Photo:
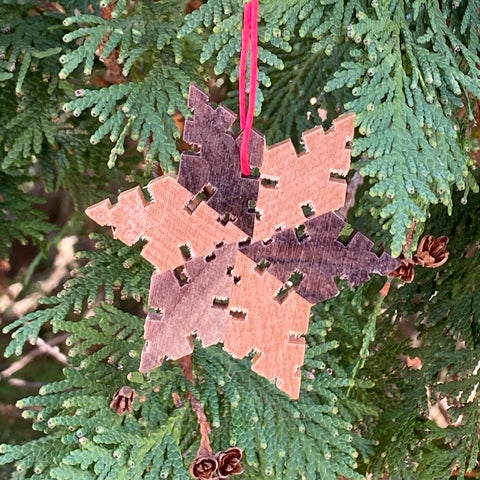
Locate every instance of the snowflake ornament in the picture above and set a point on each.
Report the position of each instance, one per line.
(241, 260)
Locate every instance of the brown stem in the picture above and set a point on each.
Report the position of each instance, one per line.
(205, 448)
(187, 367)
(42, 347)
(409, 237)
(353, 184)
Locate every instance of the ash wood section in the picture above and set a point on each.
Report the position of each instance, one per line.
(218, 163)
(291, 182)
(320, 257)
(272, 329)
(187, 307)
(165, 223)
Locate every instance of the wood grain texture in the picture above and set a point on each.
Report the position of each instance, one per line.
(165, 223)
(188, 309)
(218, 163)
(259, 323)
(304, 179)
(320, 257)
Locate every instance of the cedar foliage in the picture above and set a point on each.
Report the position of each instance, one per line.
(70, 121)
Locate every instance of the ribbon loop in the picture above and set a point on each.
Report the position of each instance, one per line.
(249, 45)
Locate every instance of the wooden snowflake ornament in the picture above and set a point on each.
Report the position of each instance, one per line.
(226, 247)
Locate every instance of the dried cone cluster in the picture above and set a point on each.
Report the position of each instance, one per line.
(122, 401)
(431, 253)
(220, 466)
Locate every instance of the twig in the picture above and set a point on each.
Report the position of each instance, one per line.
(205, 429)
(54, 352)
(352, 188)
(409, 238)
(18, 382)
(42, 347)
(205, 447)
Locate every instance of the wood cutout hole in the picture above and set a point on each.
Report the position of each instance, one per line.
(220, 302)
(301, 233)
(237, 279)
(295, 278)
(202, 196)
(238, 314)
(269, 182)
(230, 270)
(337, 175)
(267, 241)
(146, 194)
(220, 244)
(346, 234)
(308, 210)
(245, 243)
(210, 257)
(254, 172)
(186, 251)
(181, 275)
(262, 265)
(227, 217)
(280, 227)
(348, 145)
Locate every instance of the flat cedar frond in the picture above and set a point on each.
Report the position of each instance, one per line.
(127, 273)
(390, 383)
(152, 60)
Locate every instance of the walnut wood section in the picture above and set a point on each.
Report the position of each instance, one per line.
(218, 163)
(187, 307)
(165, 223)
(320, 257)
(304, 179)
(259, 323)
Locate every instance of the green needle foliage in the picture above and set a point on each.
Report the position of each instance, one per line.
(89, 95)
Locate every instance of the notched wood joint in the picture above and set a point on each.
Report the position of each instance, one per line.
(238, 314)
(210, 257)
(301, 233)
(202, 196)
(186, 251)
(220, 302)
(227, 217)
(308, 209)
(244, 243)
(292, 282)
(269, 182)
(181, 275)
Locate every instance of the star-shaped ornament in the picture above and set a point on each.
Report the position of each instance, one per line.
(241, 260)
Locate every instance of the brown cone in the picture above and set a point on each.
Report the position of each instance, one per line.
(203, 467)
(405, 271)
(122, 401)
(229, 462)
(431, 251)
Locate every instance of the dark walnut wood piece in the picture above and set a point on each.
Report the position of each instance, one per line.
(192, 299)
(319, 257)
(218, 163)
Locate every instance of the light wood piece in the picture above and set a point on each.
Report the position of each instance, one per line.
(165, 223)
(261, 324)
(291, 181)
